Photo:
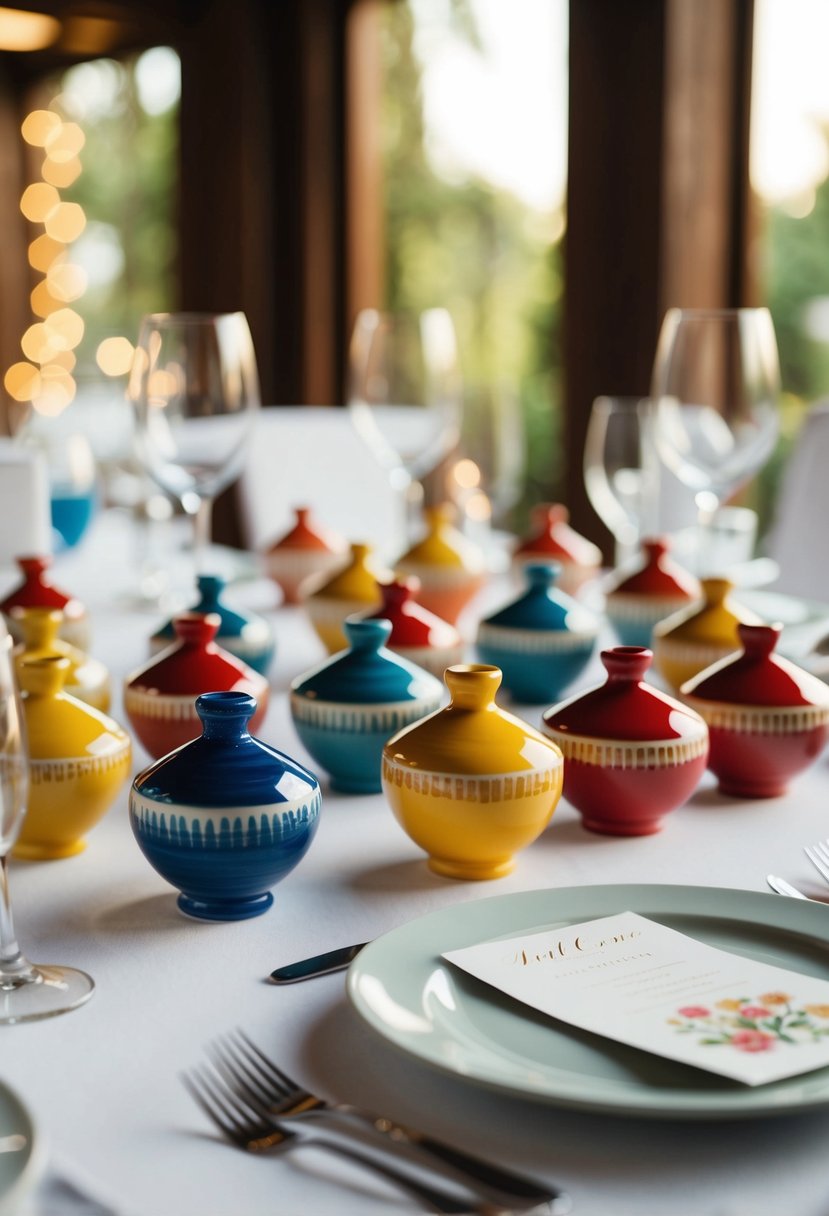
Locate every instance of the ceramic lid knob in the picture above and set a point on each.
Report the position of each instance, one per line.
(43, 677)
(398, 592)
(197, 628)
(225, 715)
(473, 685)
(210, 588)
(367, 633)
(542, 574)
(626, 664)
(759, 640)
(40, 626)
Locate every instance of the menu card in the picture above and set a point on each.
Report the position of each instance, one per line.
(633, 980)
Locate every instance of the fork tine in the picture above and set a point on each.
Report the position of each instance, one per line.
(236, 1070)
(192, 1083)
(280, 1078)
(817, 861)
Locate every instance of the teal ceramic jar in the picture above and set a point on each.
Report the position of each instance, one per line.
(244, 634)
(542, 640)
(348, 707)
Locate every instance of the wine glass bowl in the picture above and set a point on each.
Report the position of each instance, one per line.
(194, 388)
(715, 386)
(621, 469)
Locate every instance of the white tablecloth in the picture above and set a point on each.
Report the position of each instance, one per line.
(103, 1080)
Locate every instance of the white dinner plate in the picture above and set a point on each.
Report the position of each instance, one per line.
(446, 1018)
(20, 1152)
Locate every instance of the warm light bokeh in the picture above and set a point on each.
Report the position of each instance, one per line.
(65, 222)
(114, 356)
(38, 201)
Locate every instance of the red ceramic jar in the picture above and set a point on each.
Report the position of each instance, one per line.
(655, 587)
(160, 698)
(767, 718)
(552, 539)
(631, 753)
(36, 591)
(416, 633)
(304, 557)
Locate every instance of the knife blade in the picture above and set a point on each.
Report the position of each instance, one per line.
(784, 888)
(320, 964)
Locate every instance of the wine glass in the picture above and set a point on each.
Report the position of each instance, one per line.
(194, 389)
(621, 469)
(26, 991)
(404, 392)
(716, 380)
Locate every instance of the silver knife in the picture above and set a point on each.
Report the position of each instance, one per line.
(784, 888)
(320, 964)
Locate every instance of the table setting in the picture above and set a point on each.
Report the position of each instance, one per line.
(407, 881)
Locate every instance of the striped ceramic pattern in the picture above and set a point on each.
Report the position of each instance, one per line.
(221, 827)
(387, 718)
(534, 641)
(643, 607)
(160, 705)
(631, 753)
(496, 787)
(761, 719)
(70, 768)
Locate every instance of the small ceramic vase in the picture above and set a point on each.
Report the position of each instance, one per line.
(416, 633)
(352, 590)
(159, 698)
(767, 718)
(541, 641)
(687, 642)
(226, 817)
(244, 634)
(471, 785)
(87, 678)
(638, 599)
(552, 539)
(36, 591)
(78, 760)
(301, 560)
(346, 709)
(451, 569)
(631, 753)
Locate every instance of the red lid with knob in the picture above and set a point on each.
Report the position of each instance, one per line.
(194, 663)
(305, 534)
(552, 536)
(412, 625)
(758, 676)
(657, 575)
(36, 591)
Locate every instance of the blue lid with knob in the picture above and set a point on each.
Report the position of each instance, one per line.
(367, 673)
(244, 634)
(541, 606)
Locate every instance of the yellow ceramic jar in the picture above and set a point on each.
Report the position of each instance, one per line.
(450, 568)
(693, 638)
(353, 589)
(472, 784)
(87, 678)
(78, 761)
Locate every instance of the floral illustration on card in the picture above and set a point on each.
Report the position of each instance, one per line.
(753, 1024)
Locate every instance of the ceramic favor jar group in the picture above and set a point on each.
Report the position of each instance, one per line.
(352, 590)
(768, 719)
(347, 708)
(244, 634)
(638, 598)
(450, 568)
(78, 760)
(689, 641)
(631, 753)
(86, 678)
(552, 539)
(472, 785)
(416, 633)
(541, 641)
(304, 557)
(226, 817)
(37, 591)
(159, 698)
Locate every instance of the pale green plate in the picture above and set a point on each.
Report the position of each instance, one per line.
(446, 1018)
(20, 1155)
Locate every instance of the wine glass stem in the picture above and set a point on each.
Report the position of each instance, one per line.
(201, 533)
(14, 969)
(707, 504)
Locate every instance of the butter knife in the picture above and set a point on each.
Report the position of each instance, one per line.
(784, 888)
(320, 964)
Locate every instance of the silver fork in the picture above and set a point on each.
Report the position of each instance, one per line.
(245, 1126)
(257, 1079)
(818, 854)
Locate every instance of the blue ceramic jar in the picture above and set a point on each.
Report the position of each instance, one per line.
(225, 817)
(541, 641)
(348, 707)
(244, 634)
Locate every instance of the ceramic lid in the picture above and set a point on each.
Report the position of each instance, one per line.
(552, 536)
(444, 544)
(713, 623)
(655, 574)
(60, 726)
(225, 766)
(542, 607)
(757, 676)
(37, 591)
(232, 622)
(625, 707)
(367, 673)
(306, 534)
(412, 625)
(358, 580)
(194, 662)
